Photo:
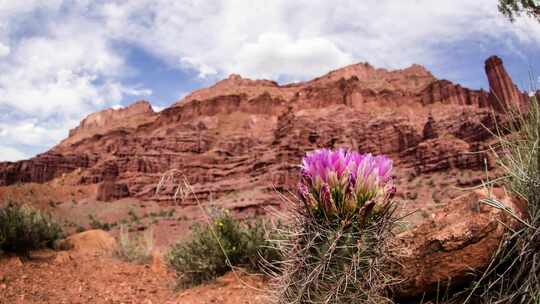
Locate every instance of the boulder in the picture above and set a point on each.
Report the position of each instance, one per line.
(92, 241)
(453, 244)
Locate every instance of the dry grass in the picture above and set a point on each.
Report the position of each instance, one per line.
(219, 245)
(138, 248)
(514, 273)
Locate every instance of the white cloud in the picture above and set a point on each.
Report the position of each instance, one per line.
(52, 79)
(70, 59)
(299, 39)
(4, 50)
(33, 134)
(11, 154)
(274, 52)
(60, 73)
(157, 108)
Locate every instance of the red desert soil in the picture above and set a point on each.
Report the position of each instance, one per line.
(90, 273)
(90, 278)
(229, 289)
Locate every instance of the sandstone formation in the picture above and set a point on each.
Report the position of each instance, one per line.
(453, 244)
(91, 241)
(242, 139)
(110, 119)
(504, 92)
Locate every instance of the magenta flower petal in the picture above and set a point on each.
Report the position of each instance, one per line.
(355, 178)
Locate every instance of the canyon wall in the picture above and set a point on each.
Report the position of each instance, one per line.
(245, 136)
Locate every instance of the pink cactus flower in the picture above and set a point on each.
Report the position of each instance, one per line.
(340, 182)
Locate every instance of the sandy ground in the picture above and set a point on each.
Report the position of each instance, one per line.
(66, 277)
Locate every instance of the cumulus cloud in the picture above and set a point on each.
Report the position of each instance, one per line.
(4, 50)
(156, 108)
(303, 57)
(300, 39)
(70, 60)
(60, 73)
(12, 154)
(33, 132)
(54, 75)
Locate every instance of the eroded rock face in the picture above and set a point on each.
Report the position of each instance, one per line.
(101, 122)
(43, 167)
(504, 92)
(453, 243)
(247, 136)
(110, 191)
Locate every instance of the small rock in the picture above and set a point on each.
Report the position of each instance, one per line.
(141, 228)
(92, 241)
(16, 262)
(63, 257)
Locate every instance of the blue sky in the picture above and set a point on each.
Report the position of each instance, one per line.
(63, 59)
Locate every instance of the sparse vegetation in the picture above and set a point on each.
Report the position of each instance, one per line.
(219, 246)
(137, 248)
(133, 216)
(435, 197)
(514, 274)
(182, 218)
(514, 8)
(412, 195)
(23, 229)
(97, 224)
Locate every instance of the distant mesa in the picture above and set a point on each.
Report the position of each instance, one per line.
(106, 120)
(247, 135)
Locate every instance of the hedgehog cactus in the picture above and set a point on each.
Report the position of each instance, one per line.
(337, 244)
(344, 183)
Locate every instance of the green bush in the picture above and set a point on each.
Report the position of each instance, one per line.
(217, 247)
(23, 229)
(97, 224)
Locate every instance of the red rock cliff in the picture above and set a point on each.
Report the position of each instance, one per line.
(247, 136)
(503, 92)
(109, 119)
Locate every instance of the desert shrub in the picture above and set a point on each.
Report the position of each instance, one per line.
(23, 229)
(97, 224)
(337, 242)
(137, 248)
(217, 247)
(514, 273)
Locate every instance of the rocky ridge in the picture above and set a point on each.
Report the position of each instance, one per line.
(241, 139)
